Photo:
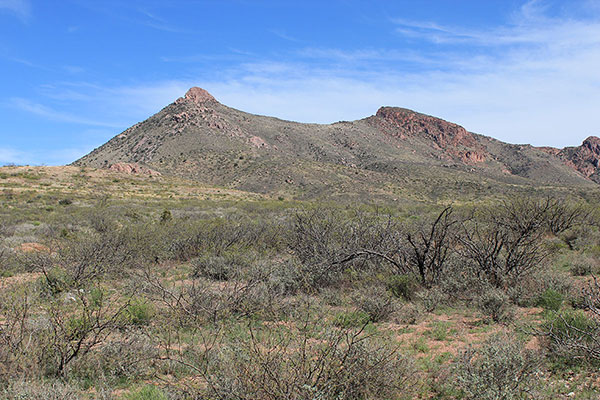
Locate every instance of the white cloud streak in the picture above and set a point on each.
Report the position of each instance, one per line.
(533, 80)
(20, 8)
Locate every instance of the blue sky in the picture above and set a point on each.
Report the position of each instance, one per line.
(74, 73)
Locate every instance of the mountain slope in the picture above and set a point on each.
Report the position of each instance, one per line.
(389, 153)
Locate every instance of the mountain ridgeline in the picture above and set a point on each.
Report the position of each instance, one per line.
(392, 153)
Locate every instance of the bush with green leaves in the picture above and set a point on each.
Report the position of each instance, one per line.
(494, 304)
(500, 369)
(147, 392)
(351, 319)
(139, 311)
(572, 336)
(550, 300)
(403, 286)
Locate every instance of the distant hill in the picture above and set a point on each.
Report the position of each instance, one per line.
(395, 152)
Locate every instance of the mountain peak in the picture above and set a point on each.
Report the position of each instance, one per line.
(593, 144)
(199, 95)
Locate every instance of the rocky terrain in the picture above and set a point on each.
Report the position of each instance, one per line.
(199, 138)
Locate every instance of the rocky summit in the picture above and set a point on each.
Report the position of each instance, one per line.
(197, 137)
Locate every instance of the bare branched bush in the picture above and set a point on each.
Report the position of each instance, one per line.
(308, 362)
(429, 245)
(217, 237)
(327, 242)
(56, 390)
(562, 215)
(16, 345)
(200, 301)
(76, 325)
(506, 243)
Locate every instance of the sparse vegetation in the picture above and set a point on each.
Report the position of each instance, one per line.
(260, 298)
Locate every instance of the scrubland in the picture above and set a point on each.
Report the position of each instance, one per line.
(121, 287)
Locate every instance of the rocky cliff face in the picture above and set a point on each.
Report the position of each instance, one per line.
(451, 138)
(585, 158)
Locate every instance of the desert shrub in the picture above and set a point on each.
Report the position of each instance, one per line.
(403, 286)
(351, 319)
(76, 326)
(562, 215)
(328, 242)
(527, 291)
(220, 268)
(500, 369)
(550, 299)
(582, 265)
(408, 313)
(53, 390)
(505, 244)
(217, 237)
(9, 263)
(575, 335)
(311, 362)
(494, 303)
(87, 257)
(200, 301)
(129, 357)
(286, 277)
(139, 311)
(332, 296)
(17, 349)
(376, 302)
(432, 298)
(147, 392)
(572, 336)
(428, 244)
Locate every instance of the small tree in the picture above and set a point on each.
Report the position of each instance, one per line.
(505, 243)
(429, 246)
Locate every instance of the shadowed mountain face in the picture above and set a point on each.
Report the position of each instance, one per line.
(394, 150)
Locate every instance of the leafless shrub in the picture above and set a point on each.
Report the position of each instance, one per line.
(562, 215)
(505, 243)
(77, 325)
(55, 390)
(327, 242)
(16, 343)
(216, 237)
(200, 301)
(429, 246)
(308, 362)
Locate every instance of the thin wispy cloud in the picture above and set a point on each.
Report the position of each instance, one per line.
(20, 8)
(533, 79)
(54, 115)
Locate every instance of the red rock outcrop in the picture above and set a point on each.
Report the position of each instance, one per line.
(451, 138)
(584, 158)
(199, 96)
